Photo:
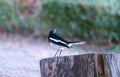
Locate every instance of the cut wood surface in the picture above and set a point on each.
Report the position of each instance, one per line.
(86, 65)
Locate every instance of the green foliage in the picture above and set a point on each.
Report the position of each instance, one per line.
(12, 17)
(90, 20)
(115, 49)
(4, 13)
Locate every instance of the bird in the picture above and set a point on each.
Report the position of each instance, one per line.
(59, 43)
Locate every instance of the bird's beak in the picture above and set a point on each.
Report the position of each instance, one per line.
(54, 30)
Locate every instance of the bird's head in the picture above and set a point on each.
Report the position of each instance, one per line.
(53, 31)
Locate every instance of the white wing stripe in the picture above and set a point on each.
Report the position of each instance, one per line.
(58, 41)
(53, 39)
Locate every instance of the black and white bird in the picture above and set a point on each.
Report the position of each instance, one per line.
(60, 43)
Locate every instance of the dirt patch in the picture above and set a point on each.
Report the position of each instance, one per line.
(20, 55)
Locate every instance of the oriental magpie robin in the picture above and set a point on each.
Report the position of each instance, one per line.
(60, 43)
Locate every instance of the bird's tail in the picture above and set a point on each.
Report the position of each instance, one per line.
(76, 43)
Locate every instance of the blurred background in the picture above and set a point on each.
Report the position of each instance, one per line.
(25, 24)
(92, 20)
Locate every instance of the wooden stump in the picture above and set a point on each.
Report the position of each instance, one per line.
(87, 65)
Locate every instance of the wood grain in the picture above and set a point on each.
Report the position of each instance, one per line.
(69, 66)
(87, 65)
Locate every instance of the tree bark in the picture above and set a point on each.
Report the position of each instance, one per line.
(87, 65)
(112, 65)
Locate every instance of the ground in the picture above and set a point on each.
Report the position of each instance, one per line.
(20, 56)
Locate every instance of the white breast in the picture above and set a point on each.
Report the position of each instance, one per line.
(56, 46)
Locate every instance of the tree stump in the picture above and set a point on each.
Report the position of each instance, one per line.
(86, 65)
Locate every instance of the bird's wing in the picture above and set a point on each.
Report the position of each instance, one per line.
(59, 40)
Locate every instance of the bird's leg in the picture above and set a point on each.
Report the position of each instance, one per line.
(56, 52)
(58, 57)
(60, 52)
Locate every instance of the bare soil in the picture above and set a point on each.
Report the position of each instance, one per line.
(20, 56)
